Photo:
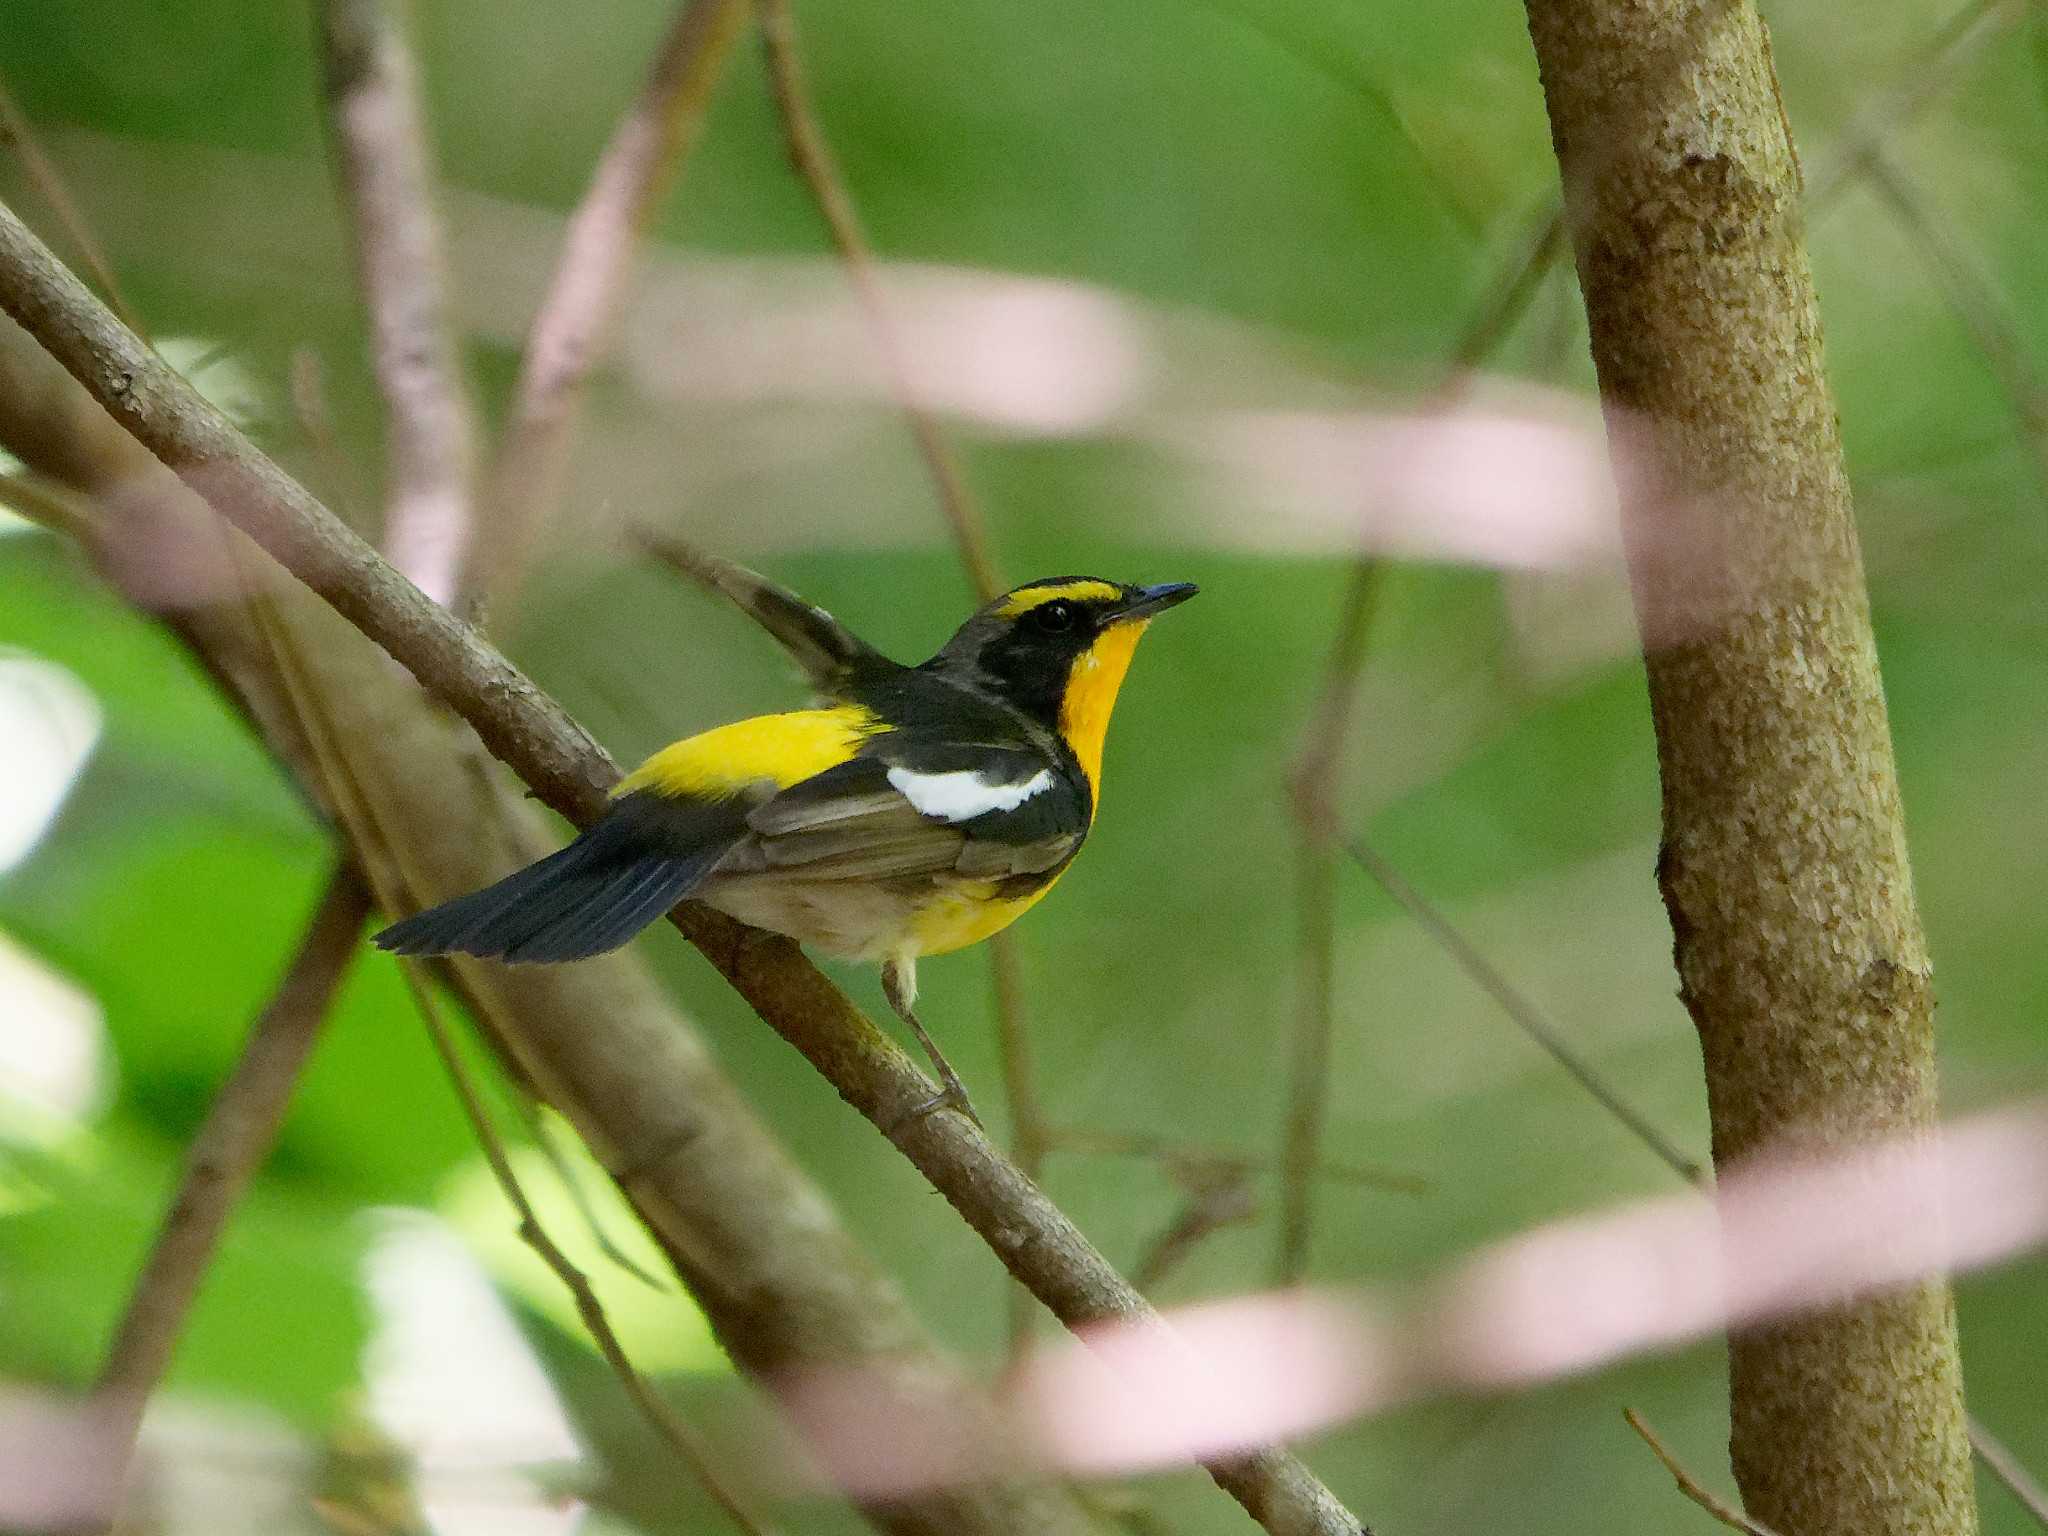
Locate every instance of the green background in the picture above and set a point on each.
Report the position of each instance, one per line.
(1322, 193)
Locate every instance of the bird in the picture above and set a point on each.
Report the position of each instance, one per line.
(910, 811)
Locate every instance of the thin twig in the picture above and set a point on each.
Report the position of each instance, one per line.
(382, 158)
(1974, 301)
(574, 322)
(1520, 1009)
(1175, 1155)
(658, 1411)
(1314, 794)
(1031, 1136)
(2000, 1462)
(812, 156)
(20, 134)
(1318, 772)
(359, 814)
(1217, 1199)
(316, 421)
(1690, 1486)
(527, 730)
(240, 1127)
(1914, 85)
(542, 1134)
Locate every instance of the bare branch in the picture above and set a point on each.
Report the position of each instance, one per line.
(1177, 1156)
(659, 1412)
(231, 1143)
(1999, 1460)
(1031, 1134)
(1318, 771)
(19, 135)
(1520, 1009)
(1217, 1200)
(385, 167)
(812, 156)
(574, 322)
(531, 734)
(1690, 1486)
(1973, 300)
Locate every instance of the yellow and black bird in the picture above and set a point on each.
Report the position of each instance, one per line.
(915, 811)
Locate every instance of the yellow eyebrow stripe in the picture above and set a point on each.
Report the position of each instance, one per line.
(782, 749)
(1026, 598)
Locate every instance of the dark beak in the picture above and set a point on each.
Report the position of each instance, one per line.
(1144, 602)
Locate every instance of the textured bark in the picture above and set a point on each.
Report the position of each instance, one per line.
(1784, 869)
(758, 1245)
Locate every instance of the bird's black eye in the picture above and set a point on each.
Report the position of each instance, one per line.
(1054, 618)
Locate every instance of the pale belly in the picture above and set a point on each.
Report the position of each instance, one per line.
(867, 920)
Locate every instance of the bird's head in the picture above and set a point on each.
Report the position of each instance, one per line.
(1057, 649)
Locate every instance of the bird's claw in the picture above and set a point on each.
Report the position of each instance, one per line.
(953, 1096)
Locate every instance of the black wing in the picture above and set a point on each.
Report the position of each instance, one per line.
(645, 855)
(831, 655)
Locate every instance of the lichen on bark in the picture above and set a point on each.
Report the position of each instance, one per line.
(1783, 864)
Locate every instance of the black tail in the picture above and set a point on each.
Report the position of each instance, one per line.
(621, 875)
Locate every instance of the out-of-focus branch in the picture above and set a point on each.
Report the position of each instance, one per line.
(1523, 1011)
(18, 134)
(670, 1425)
(1179, 1155)
(1999, 1460)
(384, 164)
(1318, 773)
(531, 734)
(230, 1145)
(366, 829)
(812, 156)
(569, 333)
(1691, 1486)
(1217, 1198)
(1520, 1009)
(1975, 302)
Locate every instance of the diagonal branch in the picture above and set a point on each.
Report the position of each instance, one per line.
(17, 134)
(759, 1248)
(529, 732)
(646, 153)
(382, 159)
(231, 1144)
(1691, 1486)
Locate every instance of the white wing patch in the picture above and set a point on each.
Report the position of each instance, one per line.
(963, 794)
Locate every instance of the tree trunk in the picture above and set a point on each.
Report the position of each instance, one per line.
(1783, 865)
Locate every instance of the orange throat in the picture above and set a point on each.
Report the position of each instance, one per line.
(1091, 694)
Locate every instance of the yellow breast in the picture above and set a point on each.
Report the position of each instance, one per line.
(1092, 686)
(966, 914)
(782, 749)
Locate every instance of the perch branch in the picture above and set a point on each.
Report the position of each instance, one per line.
(530, 733)
(757, 1245)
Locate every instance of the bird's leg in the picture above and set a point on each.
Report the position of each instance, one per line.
(899, 985)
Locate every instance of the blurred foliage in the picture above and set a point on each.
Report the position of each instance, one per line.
(1339, 183)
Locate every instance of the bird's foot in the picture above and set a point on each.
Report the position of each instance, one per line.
(953, 1096)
